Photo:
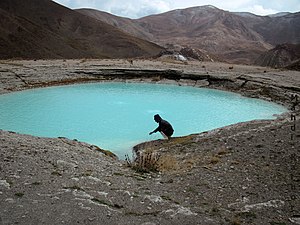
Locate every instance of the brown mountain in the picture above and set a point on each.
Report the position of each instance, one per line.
(125, 24)
(281, 56)
(234, 37)
(277, 29)
(45, 29)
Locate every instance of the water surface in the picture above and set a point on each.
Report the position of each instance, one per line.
(116, 116)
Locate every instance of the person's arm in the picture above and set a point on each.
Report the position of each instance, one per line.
(157, 129)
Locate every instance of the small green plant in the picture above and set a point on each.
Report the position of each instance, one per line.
(167, 198)
(74, 187)
(277, 223)
(247, 215)
(19, 194)
(87, 173)
(56, 173)
(214, 160)
(118, 174)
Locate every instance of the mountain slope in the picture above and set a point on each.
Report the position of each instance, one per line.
(281, 56)
(234, 37)
(214, 30)
(125, 24)
(279, 29)
(44, 29)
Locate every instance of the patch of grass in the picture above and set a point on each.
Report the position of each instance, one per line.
(56, 173)
(118, 174)
(259, 145)
(190, 163)
(222, 152)
(10, 182)
(235, 162)
(236, 221)
(139, 178)
(191, 189)
(215, 210)
(87, 173)
(216, 157)
(167, 198)
(214, 160)
(247, 215)
(75, 187)
(167, 163)
(19, 194)
(277, 223)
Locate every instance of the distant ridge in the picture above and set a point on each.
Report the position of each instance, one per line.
(45, 29)
(279, 14)
(233, 37)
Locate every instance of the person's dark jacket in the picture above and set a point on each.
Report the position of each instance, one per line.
(165, 127)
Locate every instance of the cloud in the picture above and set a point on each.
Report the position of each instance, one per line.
(133, 10)
(260, 10)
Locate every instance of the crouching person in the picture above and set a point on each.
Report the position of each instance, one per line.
(164, 127)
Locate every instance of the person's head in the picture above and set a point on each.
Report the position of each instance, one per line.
(157, 118)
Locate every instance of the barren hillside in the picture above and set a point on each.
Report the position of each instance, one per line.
(44, 29)
(233, 37)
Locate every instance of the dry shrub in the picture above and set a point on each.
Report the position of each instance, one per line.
(222, 152)
(152, 161)
(144, 162)
(190, 163)
(236, 221)
(214, 160)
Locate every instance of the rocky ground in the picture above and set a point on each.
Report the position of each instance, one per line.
(246, 173)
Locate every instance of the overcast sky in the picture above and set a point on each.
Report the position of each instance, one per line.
(139, 8)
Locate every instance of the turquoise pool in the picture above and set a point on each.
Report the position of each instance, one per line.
(116, 116)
